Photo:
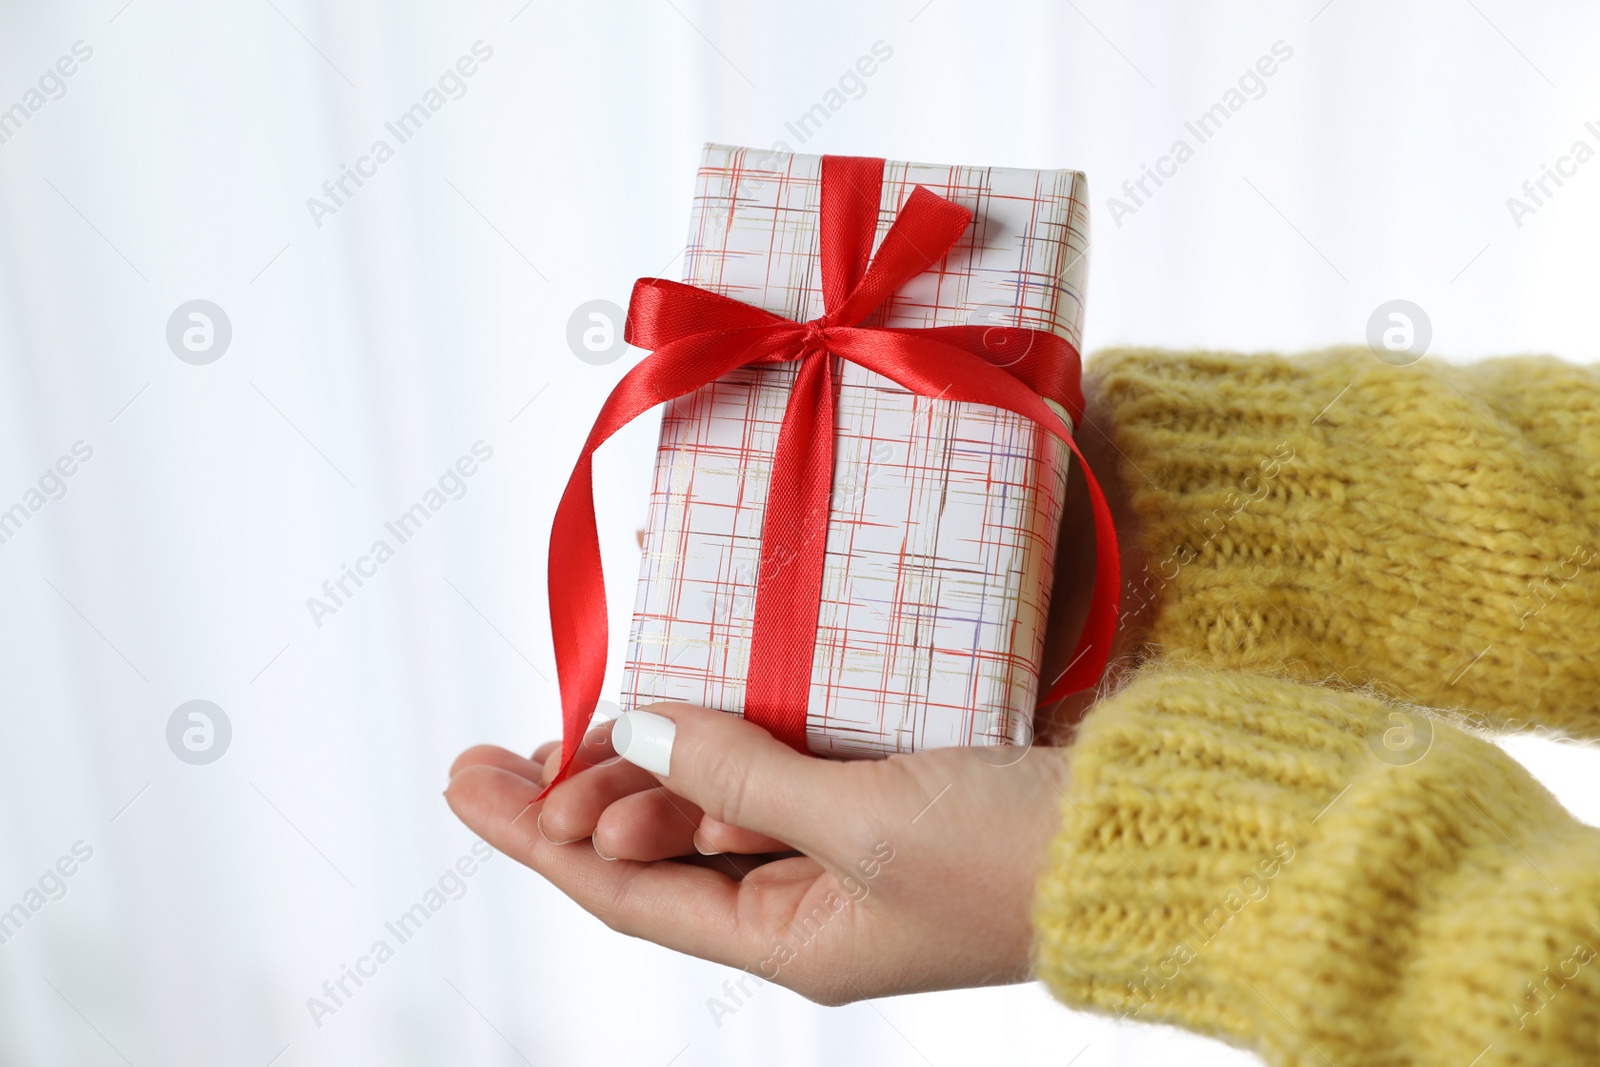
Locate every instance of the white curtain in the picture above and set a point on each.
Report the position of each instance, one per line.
(386, 330)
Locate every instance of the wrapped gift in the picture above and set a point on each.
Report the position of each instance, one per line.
(896, 599)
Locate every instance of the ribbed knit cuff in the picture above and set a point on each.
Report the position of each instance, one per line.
(1320, 876)
(1432, 529)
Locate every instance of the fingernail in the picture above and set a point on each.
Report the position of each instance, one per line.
(699, 846)
(644, 739)
(602, 855)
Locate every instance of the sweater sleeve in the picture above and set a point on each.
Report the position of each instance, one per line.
(1430, 530)
(1318, 875)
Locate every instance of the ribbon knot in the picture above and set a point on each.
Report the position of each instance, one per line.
(815, 338)
(697, 336)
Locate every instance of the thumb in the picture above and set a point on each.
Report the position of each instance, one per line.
(734, 770)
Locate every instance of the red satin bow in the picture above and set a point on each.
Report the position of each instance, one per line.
(698, 336)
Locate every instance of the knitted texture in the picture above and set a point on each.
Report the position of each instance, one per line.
(1257, 859)
(1325, 873)
(1430, 530)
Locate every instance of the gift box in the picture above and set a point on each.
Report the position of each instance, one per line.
(940, 532)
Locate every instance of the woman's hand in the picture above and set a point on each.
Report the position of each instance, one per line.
(913, 873)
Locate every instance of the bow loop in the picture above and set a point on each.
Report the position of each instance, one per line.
(663, 311)
(927, 227)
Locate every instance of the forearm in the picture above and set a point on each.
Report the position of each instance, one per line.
(1431, 530)
(1235, 858)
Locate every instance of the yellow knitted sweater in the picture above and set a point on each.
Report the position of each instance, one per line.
(1286, 829)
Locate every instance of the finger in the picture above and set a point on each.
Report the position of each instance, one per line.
(495, 756)
(655, 824)
(573, 808)
(649, 825)
(595, 748)
(715, 836)
(737, 772)
(689, 908)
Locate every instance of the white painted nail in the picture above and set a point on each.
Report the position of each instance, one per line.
(644, 739)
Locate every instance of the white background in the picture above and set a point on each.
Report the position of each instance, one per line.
(430, 312)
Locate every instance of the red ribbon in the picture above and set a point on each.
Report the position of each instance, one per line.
(697, 336)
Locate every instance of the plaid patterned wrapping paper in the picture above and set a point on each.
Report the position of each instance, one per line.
(942, 529)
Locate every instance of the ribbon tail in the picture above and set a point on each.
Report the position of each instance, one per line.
(1089, 659)
(577, 584)
(964, 376)
(577, 610)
